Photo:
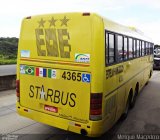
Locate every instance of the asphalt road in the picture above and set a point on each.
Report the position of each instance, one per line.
(144, 118)
(7, 70)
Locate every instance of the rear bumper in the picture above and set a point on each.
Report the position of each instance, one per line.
(93, 129)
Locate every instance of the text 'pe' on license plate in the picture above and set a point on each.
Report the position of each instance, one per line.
(51, 108)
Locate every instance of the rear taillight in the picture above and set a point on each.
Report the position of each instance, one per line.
(96, 106)
(18, 89)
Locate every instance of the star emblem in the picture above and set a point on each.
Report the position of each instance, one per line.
(41, 23)
(42, 93)
(52, 22)
(64, 21)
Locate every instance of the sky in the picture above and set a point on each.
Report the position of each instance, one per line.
(142, 14)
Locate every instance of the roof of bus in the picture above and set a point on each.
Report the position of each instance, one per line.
(124, 30)
(117, 28)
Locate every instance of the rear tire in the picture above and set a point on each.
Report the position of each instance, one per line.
(133, 101)
(151, 72)
(134, 97)
(146, 83)
(125, 114)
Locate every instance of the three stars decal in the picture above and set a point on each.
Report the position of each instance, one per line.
(54, 21)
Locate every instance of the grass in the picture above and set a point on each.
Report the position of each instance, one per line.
(7, 61)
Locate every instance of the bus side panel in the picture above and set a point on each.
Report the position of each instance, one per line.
(110, 94)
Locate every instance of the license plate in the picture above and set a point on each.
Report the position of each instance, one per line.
(51, 108)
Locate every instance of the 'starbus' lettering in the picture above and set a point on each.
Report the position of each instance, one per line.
(54, 96)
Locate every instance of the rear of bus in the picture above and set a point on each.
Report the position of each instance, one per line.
(58, 72)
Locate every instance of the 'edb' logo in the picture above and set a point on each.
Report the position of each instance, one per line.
(55, 40)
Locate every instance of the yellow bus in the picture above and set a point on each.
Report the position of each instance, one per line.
(79, 71)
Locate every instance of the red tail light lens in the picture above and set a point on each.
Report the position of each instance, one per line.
(18, 88)
(96, 106)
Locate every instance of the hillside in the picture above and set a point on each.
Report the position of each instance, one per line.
(8, 50)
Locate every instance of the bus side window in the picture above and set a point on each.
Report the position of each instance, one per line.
(120, 48)
(138, 50)
(134, 49)
(143, 50)
(130, 48)
(125, 54)
(111, 49)
(151, 48)
(147, 49)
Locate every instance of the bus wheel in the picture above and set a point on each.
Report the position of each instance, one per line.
(146, 83)
(125, 114)
(134, 97)
(150, 75)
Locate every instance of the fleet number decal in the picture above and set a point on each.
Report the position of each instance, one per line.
(80, 77)
(67, 75)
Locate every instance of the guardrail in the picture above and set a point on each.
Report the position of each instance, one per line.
(7, 82)
(7, 77)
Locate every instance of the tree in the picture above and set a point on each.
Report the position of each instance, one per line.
(8, 47)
